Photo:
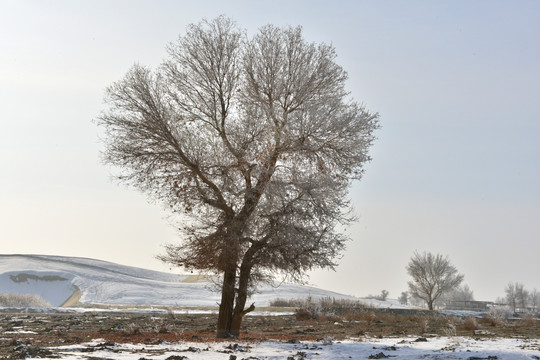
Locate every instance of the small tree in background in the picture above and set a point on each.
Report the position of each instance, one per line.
(433, 276)
(381, 297)
(535, 300)
(519, 298)
(459, 294)
(404, 298)
(511, 296)
(416, 301)
(522, 297)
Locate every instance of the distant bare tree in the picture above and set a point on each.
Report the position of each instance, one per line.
(416, 301)
(522, 297)
(253, 142)
(404, 298)
(534, 299)
(433, 276)
(459, 294)
(511, 296)
(500, 300)
(381, 297)
(462, 293)
(517, 296)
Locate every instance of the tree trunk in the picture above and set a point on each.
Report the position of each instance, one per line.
(233, 301)
(239, 311)
(226, 306)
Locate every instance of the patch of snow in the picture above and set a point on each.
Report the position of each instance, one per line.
(20, 332)
(463, 313)
(386, 304)
(402, 348)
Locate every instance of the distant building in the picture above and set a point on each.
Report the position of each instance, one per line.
(469, 305)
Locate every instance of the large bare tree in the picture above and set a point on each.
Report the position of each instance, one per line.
(433, 276)
(254, 142)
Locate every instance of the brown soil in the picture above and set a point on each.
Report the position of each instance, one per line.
(40, 330)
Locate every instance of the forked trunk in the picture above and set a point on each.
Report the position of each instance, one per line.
(233, 301)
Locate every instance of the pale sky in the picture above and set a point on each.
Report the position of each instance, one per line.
(455, 170)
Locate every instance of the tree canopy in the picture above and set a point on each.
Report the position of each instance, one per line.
(433, 276)
(253, 142)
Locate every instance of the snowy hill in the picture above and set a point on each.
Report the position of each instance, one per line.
(67, 281)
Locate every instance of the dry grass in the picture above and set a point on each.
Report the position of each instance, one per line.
(23, 301)
(362, 320)
(470, 323)
(423, 325)
(302, 314)
(323, 308)
(293, 303)
(122, 327)
(529, 320)
(451, 328)
(496, 317)
(491, 321)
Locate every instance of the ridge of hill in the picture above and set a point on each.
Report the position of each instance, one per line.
(68, 281)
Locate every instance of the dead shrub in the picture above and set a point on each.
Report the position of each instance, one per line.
(325, 305)
(308, 310)
(170, 312)
(279, 302)
(492, 321)
(353, 316)
(389, 318)
(132, 329)
(470, 323)
(529, 320)
(423, 325)
(162, 327)
(496, 316)
(451, 328)
(366, 317)
(370, 318)
(302, 314)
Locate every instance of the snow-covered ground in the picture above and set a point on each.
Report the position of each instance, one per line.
(57, 279)
(400, 348)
